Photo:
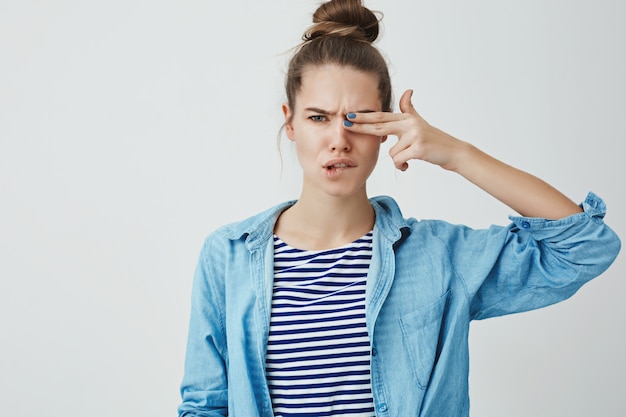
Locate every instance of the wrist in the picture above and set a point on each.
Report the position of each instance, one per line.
(462, 155)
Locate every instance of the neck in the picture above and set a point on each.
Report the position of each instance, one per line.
(323, 222)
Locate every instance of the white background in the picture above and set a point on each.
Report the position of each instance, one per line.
(131, 129)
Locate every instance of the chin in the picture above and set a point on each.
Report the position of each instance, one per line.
(343, 191)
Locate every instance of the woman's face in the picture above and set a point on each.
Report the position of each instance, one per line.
(334, 161)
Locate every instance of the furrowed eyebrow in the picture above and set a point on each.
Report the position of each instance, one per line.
(320, 111)
(330, 113)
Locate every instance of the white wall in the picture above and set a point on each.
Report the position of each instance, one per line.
(130, 129)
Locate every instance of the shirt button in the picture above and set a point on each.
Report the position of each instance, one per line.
(525, 225)
(382, 408)
(374, 352)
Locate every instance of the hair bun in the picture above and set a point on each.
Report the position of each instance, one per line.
(344, 18)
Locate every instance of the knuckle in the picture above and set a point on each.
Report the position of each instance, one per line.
(417, 151)
(398, 162)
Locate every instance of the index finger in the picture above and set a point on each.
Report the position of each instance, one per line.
(376, 124)
(375, 117)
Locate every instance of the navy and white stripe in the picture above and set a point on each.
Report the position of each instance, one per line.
(318, 352)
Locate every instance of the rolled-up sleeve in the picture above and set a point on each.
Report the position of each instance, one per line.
(534, 262)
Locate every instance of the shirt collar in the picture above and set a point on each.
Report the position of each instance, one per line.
(256, 230)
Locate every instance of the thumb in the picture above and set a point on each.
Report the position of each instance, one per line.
(407, 107)
(405, 102)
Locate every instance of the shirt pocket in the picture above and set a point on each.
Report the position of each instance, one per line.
(420, 333)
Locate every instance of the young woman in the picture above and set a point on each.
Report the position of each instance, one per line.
(336, 304)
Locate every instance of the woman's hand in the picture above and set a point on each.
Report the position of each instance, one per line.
(416, 138)
(523, 192)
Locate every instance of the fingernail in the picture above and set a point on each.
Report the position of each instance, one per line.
(350, 115)
(347, 123)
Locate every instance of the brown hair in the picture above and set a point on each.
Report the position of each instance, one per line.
(342, 33)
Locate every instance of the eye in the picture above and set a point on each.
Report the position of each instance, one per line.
(318, 118)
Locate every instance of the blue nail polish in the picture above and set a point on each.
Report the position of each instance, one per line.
(350, 115)
(347, 123)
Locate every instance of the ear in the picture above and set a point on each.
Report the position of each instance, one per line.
(288, 125)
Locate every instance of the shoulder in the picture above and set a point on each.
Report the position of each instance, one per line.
(255, 226)
(389, 215)
(236, 239)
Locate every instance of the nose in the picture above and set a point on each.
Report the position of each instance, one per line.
(340, 137)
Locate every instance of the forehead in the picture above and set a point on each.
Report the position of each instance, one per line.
(334, 87)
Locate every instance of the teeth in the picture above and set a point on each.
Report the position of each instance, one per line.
(340, 165)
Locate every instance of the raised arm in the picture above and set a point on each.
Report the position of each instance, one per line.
(523, 192)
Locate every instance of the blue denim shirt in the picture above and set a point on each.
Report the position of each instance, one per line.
(427, 281)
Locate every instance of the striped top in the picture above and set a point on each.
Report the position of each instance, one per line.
(318, 352)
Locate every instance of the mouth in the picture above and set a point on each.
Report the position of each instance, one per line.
(334, 168)
(339, 163)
